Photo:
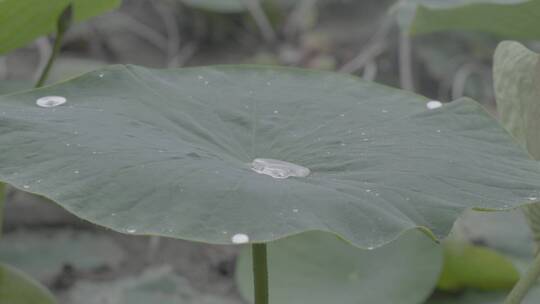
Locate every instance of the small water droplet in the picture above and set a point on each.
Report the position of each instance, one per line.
(433, 104)
(276, 112)
(206, 82)
(368, 190)
(200, 77)
(76, 171)
(533, 198)
(131, 230)
(26, 186)
(370, 248)
(342, 115)
(101, 75)
(384, 111)
(268, 83)
(278, 169)
(438, 131)
(295, 210)
(240, 238)
(50, 101)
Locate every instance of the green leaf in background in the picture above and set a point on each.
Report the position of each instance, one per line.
(469, 266)
(319, 268)
(516, 74)
(18, 288)
(170, 152)
(155, 285)
(10, 86)
(220, 6)
(43, 254)
(23, 21)
(505, 232)
(518, 19)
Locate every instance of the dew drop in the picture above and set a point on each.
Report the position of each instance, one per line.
(342, 115)
(278, 169)
(533, 198)
(276, 112)
(433, 104)
(240, 238)
(50, 101)
(206, 82)
(384, 111)
(101, 75)
(26, 186)
(295, 210)
(76, 171)
(131, 230)
(200, 77)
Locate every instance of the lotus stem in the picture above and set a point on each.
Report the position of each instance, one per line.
(260, 273)
(526, 282)
(63, 24)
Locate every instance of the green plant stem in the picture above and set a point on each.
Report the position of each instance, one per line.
(2, 201)
(522, 287)
(260, 273)
(54, 54)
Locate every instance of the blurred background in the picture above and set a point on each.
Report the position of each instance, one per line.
(360, 37)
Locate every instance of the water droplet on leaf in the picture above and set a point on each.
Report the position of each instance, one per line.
(50, 101)
(278, 169)
(433, 104)
(240, 238)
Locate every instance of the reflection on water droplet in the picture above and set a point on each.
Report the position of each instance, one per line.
(433, 104)
(240, 238)
(533, 198)
(26, 186)
(200, 77)
(295, 210)
(131, 230)
(101, 75)
(278, 169)
(276, 112)
(50, 101)
(76, 171)
(384, 111)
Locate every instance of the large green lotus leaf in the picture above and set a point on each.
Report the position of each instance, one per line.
(155, 285)
(42, 254)
(318, 267)
(514, 18)
(24, 21)
(221, 6)
(18, 288)
(169, 152)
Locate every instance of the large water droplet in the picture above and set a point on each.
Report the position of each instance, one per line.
(433, 104)
(278, 168)
(240, 238)
(50, 101)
